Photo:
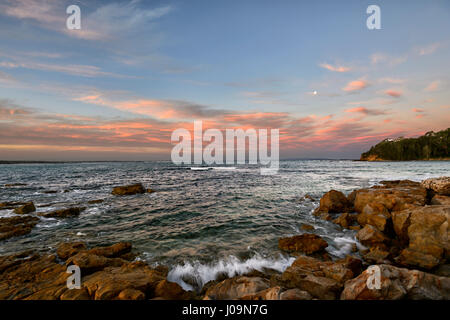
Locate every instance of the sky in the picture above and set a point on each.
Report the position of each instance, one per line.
(137, 70)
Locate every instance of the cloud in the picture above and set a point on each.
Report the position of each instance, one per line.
(7, 78)
(394, 93)
(334, 68)
(367, 112)
(378, 58)
(355, 85)
(418, 110)
(433, 86)
(429, 49)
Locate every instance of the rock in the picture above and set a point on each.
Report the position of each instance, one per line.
(295, 294)
(128, 190)
(16, 226)
(170, 291)
(9, 185)
(307, 243)
(131, 294)
(267, 294)
(321, 279)
(10, 205)
(307, 227)
(63, 213)
(376, 215)
(235, 288)
(439, 200)
(67, 250)
(425, 230)
(90, 263)
(397, 283)
(110, 282)
(393, 195)
(116, 250)
(345, 220)
(443, 270)
(439, 185)
(50, 191)
(333, 202)
(75, 294)
(31, 277)
(96, 201)
(377, 255)
(370, 236)
(26, 208)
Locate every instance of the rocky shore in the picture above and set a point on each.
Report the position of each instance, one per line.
(402, 226)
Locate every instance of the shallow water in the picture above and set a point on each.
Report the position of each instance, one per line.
(200, 223)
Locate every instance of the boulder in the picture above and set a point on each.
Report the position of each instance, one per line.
(345, 220)
(129, 190)
(69, 249)
(307, 227)
(333, 202)
(235, 288)
(26, 208)
(295, 294)
(131, 294)
(110, 282)
(90, 263)
(393, 195)
(439, 185)
(75, 294)
(96, 201)
(371, 236)
(267, 294)
(376, 215)
(397, 283)
(170, 291)
(307, 243)
(439, 200)
(63, 213)
(16, 226)
(425, 231)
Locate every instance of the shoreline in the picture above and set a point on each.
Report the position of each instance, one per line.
(381, 215)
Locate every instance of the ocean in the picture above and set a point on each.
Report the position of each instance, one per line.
(200, 223)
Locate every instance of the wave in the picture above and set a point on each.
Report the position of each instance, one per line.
(193, 276)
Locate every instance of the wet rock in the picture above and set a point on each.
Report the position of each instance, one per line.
(235, 288)
(333, 202)
(307, 243)
(90, 263)
(113, 251)
(16, 226)
(345, 220)
(69, 249)
(393, 195)
(307, 227)
(9, 185)
(96, 201)
(370, 236)
(267, 294)
(129, 189)
(50, 191)
(397, 283)
(64, 213)
(26, 208)
(11, 205)
(439, 185)
(425, 230)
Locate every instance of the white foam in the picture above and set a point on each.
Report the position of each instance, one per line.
(343, 246)
(200, 168)
(232, 266)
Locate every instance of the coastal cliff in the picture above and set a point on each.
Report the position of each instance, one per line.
(430, 146)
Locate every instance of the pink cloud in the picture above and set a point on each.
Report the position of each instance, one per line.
(334, 68)
(394, 93)
(355, 85)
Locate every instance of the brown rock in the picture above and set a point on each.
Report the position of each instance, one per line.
(63, 213)
(113, 251)
(307, 227)
(345, 220)
(16, 226)
(370, 236)
(26, 208)
(131, 294)
(129, 190)
(90, 263)
(439, 200)
(69, 249)
(267, 294)
(75, 294)
(307, 243)
(397, 283)
(393, 195)
(295, 294)
(235, 288)
(333, 202)
(425, 229)
(170, 291)
(96, 201)
(377, 255)
(376, 215)
(439, 185)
